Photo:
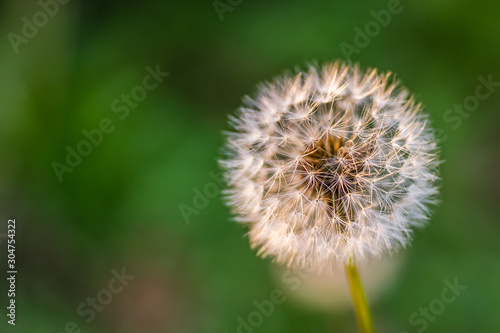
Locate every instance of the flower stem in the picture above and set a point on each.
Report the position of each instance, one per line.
(361, 307)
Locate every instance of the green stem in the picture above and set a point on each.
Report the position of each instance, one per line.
(359, 300)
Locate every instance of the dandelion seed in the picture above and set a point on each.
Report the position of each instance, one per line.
(329, 165)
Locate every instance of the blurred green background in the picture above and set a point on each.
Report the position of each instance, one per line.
(120, 206)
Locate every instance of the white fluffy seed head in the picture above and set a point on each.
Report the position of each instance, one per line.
(330, 165)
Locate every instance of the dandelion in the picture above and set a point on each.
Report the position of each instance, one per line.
(330, 166)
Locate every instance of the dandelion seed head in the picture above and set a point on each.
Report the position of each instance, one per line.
(329, 165)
